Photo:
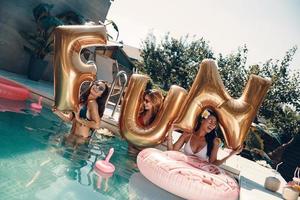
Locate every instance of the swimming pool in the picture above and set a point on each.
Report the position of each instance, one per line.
(38, 161)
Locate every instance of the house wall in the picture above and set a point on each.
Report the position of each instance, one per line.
(16, 15)
(105, 68)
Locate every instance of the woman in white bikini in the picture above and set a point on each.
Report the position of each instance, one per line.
(203, 142)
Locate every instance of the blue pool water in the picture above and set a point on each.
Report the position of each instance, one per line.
(38, 161)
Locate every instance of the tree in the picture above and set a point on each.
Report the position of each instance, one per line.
(281, 106)
(232, 69)
(175, 61)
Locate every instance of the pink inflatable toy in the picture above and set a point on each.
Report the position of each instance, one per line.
(12, 90)
(186, 176)
(103, 168)
(104, 165)
(37, 106)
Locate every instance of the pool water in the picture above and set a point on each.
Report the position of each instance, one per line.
(39, 161)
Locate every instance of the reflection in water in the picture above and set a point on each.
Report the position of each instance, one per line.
(39, 161)
(102, 176)
(83, 154)
(75, 148)
(12, 105)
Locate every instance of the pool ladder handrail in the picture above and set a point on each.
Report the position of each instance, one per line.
(121, 92)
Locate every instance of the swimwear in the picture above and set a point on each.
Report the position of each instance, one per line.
(83, 112)
(202, 154)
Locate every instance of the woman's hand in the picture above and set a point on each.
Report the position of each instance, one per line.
(233, 152)
(64, 115)
(53, 109)
(237, 151)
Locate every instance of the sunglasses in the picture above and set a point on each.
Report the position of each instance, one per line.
(100, 88)
(212, 122)
(146, 100)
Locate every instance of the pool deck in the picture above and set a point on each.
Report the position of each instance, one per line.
(251, 175)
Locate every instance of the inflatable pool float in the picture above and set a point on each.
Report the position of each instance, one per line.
(12, 90)
(186, 176)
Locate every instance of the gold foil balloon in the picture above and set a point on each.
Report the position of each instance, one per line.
(69, 71)
(235, 115)
(156, 131)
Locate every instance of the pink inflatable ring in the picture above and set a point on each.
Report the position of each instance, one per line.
(186, 176)
(12, 90)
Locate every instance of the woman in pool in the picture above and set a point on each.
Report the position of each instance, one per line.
(91, 109)
(203, 142)
(152, 101)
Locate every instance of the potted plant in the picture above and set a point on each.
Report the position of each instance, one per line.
(40, 42)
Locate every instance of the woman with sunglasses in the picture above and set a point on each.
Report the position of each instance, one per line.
(203, 142)
(91, 109)
(152, 101)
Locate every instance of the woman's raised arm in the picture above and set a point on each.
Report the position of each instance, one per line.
(213, 157)
(65, 116)
(179, 143)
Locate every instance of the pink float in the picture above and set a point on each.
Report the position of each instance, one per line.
(12, 90)
(37, 106)
(104, 169)
(104, 165)
(186, 176)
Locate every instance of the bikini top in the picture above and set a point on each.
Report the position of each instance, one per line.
(202, 154)
(83, 112)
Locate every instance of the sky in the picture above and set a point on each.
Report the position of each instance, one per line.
(268, 27)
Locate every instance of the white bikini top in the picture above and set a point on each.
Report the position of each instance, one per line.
(202, 154)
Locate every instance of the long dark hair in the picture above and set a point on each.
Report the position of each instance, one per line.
(209, 137)
(100, 100)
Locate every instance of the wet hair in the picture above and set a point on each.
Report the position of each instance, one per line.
(209, 137)
(100, 100)
(156, 98)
